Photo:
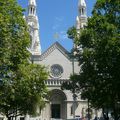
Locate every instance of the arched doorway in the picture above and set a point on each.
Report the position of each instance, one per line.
(58, 104)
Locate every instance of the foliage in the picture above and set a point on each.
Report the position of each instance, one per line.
(26, 93)
(13, 34)
(33, 78)
(22, 86)
(99, 57)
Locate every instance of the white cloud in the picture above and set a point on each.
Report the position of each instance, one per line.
(58, 33)
(55, 27)
(57, 23)
(62, 35)
(60, 19)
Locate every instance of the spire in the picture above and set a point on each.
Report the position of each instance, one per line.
(32, 20)
(82, 7)
(32, 7)
(81, 19)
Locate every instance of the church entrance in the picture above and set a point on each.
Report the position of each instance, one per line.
(58, 104)
(55, 111)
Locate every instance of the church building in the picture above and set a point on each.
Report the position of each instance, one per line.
(63, 104)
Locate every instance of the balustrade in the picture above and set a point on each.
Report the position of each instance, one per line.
(55, 82)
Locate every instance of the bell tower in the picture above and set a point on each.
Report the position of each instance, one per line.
(81, 19)
(32, 20)
(32, 7)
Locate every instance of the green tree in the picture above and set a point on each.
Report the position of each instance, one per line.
(26, 94)
(22, 86)
(99, 57)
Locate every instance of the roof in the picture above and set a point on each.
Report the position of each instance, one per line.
(56, 45)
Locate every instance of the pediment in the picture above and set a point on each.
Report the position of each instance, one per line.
(55, 46)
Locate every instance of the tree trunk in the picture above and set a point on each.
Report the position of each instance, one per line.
(16, 114)
(115, 114)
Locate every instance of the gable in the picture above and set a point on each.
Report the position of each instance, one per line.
(55, 46)
(57, 55)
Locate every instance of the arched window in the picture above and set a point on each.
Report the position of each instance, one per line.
(82, 11)
(31, 10)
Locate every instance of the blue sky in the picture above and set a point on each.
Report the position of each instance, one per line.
(55, 18)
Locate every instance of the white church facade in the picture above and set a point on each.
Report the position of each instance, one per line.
(62, 103)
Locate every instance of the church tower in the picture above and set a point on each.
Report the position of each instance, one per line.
(81, 19)
(32, 20)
